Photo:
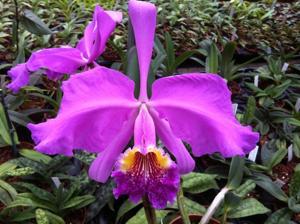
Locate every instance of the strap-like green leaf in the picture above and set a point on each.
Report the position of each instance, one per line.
(198, 182)
(248, 207)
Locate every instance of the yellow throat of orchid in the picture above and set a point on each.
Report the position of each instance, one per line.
(155, 158)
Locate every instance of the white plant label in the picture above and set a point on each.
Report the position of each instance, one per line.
(256, 78)
(297, 106)
(235, 107)
(285, 67)
(56, 181)
(253, 154)
(279, 182)
(290, 153)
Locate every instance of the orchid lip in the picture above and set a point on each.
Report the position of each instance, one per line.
(152, 174)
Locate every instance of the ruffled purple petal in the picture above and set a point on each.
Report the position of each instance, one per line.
(20, 77)
(116, 16)
(97, 33)
(94, 107)
(102, 166)
(143, 20)
(184, 161)
(199, 110)
(53, 75)
(58, 60)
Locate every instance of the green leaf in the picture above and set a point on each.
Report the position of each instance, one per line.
(278, 156)
(183, 57)
(156, 63)
(212, 61)
(231, 200)
(41, 217)
(130, 38)
(227, 63)
(198, 182)
(103, 195)
(245, 188)
(29, 200)
(170, 54)
(294, 188)
(79, 202)
(6, 167)
(133, 69)
(296, 145)
(248, 207)
(158, 46)
(47, 98)
(34, 24)
(35, 156)
(272, 188)
(281, 216)
(228, 52)
(23, 216)
(85, 157)
(21, 172)
(37, 167)
(54, 219)
(279, 90)
(4, 131)
(193, 207)
(37, 192)
(294, 121)
(140, 217)
(19, 118)
(125, 207)
(292, 203)
(8, 188)
(5, 198)
(250, 110)
(236, 172)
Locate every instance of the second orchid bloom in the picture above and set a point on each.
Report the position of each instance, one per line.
(100, 114)
(67, 60)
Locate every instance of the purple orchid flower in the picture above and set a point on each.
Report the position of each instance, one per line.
(66, 60)
(100, 114)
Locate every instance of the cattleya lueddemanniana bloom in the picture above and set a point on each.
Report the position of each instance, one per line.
(100, 114)
(66, 60)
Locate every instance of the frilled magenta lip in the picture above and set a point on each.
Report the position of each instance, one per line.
(149, 173)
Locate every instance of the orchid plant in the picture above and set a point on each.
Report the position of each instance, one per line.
(100, 114)
(67, 60)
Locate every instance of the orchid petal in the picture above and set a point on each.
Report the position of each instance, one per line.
(143, 20)
(144, 129)
(94, 107)
(116, 16)
(53, 75)
(199, 110)
(184, 161)
(20, 77)
(97, 32)
(102, 166)
(58, 60)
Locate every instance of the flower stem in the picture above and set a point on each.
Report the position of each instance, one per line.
(149, 211)
(180, 202)
(214, 205)
(11, 129)
(17, 24)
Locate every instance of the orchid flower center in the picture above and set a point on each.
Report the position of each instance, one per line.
(151, 173)
(150, 165)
